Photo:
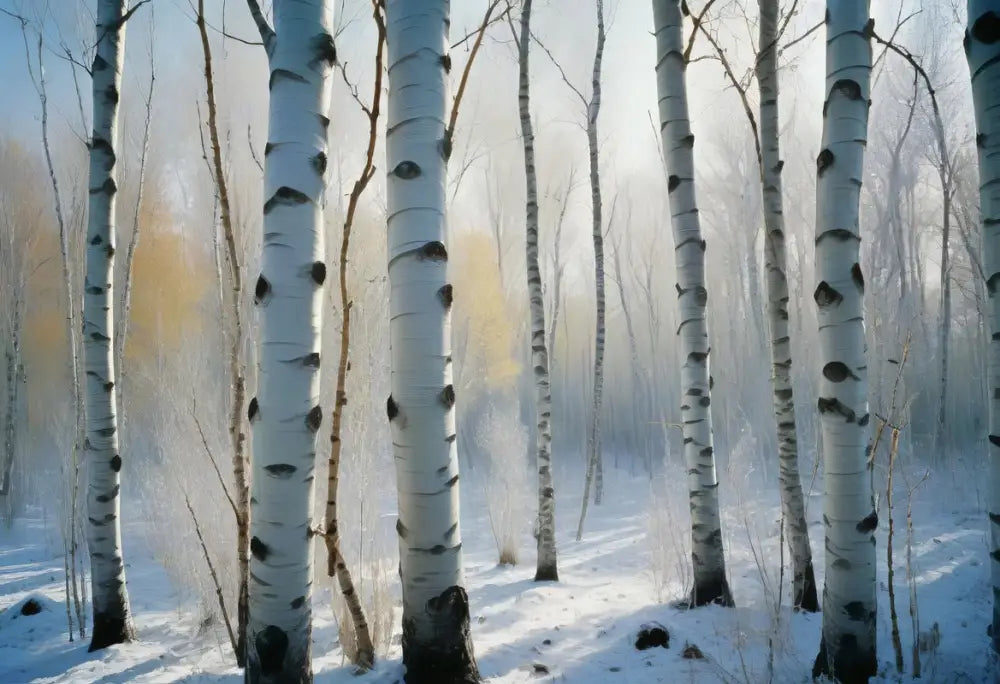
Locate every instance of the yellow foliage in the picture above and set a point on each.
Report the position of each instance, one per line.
(482, 309)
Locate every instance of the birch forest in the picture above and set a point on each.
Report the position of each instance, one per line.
(432, 342)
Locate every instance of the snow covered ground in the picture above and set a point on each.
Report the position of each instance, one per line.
(581, 630)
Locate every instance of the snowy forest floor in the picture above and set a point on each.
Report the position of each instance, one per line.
(625, 572)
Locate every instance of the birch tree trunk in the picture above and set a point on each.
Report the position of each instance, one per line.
(710, 583)
(792, 505)
(595, 464)
(546, 568)
(437, 646)
(847, 647)
(112, 621)
(982, 47)
(285, 415)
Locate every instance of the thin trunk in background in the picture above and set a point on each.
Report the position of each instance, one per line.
(285, 415)
(335, 564)
(982, 47)
(237, 367)
(708, 560)
(775, 265)
(545, 532)
(847, 648)
(437, 645)
(112, 619)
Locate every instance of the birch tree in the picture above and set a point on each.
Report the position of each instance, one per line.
(437, 646)
(982, 47)
(545, 533)
(775, 263)
(708, 562)
(112, 620)
(847, 647)
(285, 414)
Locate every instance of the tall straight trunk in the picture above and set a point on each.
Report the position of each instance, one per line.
(285, 415)
(847, 648)
(437, 646)
(112, 621)
(775, 263)
(638, 387)
(237, 368)
(595, 464)
(982, 47)
(14, 370)
(546, 568)
(708, 562)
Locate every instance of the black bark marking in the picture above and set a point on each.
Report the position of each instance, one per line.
(116, 463)
(868, 524)
(282, 471)
(314, 418)
(267, 148)
(838, 234)
(109, 251)
(111, 94)
(826, 295)
(855, 611)
(298, 602)
(991, 283)
(834, 406)
(688, 141)
(286, 74)
(849, 88)
(981, 140)
(106, 432)
(836, 371)
(401, 529)
(445, 295)
(447, 396)
(108, 386)
(271, 645)
(452, 482)
(262, 290)
(318, 272)
(858, 278)
(406, 170)
(698, 358)
(995, 440)
(105, 498)
(863, 420)
(994, 518)
(96, 240)
(253, 410)
(673, 182)
(311, 360)
(285, 197)
(449, 656)
(259, 549)
(435, 251)
(450, 438)
(446, 147)
(319, 163)
(107, 188)
(986, 29)
(824, 161)
(446, 63)
(391, 408)
(100, 64)
(325, 50)
(324, 121)
(704, 402)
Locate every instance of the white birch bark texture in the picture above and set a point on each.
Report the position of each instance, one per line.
(112, 620)
(793, 508)
(437, 647)
(546, 568)
(710, 583)
(847, 647)
(285, 415)
(982, 47)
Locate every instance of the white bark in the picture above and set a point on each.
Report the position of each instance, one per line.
(546, 568)
(847, 649)
(595, 463)
(112, 622)
(982, 46)
(436, 644)
(792, 504)
(285, 415)
(710, 584)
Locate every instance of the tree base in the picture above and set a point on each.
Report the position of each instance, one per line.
(714, 590)
(547, 573)
(808, 599)
(443, 654)
(110, 630)
(850, 665)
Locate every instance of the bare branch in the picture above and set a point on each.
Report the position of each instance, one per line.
(562, 72)
(463, 82)
(266, 32)
(211, 457)
(697, 22)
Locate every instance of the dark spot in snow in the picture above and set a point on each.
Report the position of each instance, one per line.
(31, 607)
(652, 634)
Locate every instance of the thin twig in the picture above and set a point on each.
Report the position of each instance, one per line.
(211, 571)
(211, 457)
